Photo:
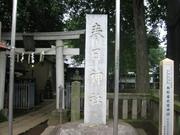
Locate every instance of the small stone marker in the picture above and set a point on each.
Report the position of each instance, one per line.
(75, 101)
(95, 69)
(166, 123)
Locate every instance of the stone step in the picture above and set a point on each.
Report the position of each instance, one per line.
(49, 131)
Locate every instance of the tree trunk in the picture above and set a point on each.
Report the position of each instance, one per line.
(142, 68)
(173, 39)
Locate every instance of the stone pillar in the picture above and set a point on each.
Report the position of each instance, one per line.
(95, 70)
(59, 75)
(2, 74)
(75, 101)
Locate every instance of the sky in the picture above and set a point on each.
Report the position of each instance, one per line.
(161, 30)
(163, 33)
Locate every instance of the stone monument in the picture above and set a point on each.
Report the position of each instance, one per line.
(95, 69)
(166, 122)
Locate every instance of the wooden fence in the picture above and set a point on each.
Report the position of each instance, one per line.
(133, 106)
(24, 94)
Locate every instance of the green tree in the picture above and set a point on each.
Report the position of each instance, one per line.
(33, 15)
(45, 15)
(156, 11)
(77, 11)
(5, 14)
(155, 56)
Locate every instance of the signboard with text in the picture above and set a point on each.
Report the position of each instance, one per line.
(95, 69)
(166, 123)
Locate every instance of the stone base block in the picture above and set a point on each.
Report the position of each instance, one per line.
(79, 128)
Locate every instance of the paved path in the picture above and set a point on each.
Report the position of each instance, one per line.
(24, 123)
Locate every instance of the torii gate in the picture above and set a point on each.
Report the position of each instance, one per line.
(59, 51)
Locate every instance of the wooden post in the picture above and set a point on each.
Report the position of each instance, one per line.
(125, 109)
(144, 109)
(134, 109)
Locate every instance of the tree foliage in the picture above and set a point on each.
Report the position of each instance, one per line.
(76, 11)
(156, 11)
(155, 56)
(33, 15)
(5, 14)
(55, 15)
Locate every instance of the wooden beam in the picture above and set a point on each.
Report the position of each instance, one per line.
(71, 51)
(47, 35)
(50, 51)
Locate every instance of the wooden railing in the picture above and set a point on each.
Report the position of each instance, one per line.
(131, 105)
(137, 106)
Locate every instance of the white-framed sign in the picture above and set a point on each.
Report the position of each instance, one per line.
(166, 123)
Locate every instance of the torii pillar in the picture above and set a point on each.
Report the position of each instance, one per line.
(59, 75)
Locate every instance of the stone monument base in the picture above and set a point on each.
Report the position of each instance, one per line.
(79, 128)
